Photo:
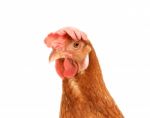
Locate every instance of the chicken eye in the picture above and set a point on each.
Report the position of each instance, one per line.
(76, 44)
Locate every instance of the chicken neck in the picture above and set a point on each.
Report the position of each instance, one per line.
(86, 96)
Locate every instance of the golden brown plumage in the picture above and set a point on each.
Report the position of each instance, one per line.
(93, 99)
(85, 94)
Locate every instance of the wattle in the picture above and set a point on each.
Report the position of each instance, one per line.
(66, 68)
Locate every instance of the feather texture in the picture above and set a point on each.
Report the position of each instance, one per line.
(87, 96)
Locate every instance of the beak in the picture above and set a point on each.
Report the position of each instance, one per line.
(56, 54)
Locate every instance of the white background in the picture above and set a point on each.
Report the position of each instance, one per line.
(119, 31)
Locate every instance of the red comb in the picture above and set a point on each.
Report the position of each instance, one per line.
(74, 33)
(54, 40)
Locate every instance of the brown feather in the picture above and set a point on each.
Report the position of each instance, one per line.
(86, 95)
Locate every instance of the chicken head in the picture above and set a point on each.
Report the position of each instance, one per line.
(70, 50)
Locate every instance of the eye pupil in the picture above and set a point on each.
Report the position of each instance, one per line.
(76, 44)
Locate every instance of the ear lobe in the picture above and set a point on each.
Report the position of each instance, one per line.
(85, 63)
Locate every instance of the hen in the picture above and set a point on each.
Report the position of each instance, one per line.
(84, 92)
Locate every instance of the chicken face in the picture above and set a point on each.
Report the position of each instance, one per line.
(71, 55)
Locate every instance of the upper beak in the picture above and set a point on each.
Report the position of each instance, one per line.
(56, 54)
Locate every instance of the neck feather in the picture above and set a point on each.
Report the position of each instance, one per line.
(88, 89)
